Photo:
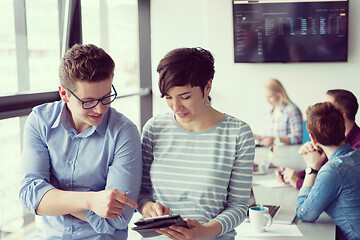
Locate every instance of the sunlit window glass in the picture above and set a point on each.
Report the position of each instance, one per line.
(11, 211)
(44, 48)
(124, 43)
(90, 14)
(130, 107)
(8, 74)
(113, 25)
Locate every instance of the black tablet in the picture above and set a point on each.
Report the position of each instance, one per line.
(147, 226)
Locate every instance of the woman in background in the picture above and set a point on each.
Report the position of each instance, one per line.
(197, 160)
(284, 120)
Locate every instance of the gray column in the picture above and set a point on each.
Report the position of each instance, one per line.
(145, 59)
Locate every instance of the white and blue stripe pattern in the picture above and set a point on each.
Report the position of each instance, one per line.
(202, 175)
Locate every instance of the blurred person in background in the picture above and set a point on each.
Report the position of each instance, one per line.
(333, 188)
(284, 122)
(347, 103)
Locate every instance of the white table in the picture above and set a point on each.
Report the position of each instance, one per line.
(286, 197)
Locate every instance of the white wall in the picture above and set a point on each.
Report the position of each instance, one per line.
(237, 87)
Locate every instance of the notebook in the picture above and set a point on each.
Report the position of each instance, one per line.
(279, 215)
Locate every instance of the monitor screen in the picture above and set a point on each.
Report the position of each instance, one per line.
(290, 31)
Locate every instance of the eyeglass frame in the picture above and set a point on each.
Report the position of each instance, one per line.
(98, 100)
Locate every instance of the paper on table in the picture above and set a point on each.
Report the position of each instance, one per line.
(271, 183)
(244, 230)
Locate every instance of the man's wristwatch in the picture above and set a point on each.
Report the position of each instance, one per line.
(310, 170)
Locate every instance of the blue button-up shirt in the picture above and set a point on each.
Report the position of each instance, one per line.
(102, 157)
(336, 191)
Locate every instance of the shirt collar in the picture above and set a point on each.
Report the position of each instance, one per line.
(64, 120)
(340, 151)
(60, 118)
(282, 108)
(351, 136)
(101, 128)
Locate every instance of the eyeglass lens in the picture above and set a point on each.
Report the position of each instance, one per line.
(105, 101)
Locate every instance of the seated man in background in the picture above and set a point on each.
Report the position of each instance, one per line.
(347, 103)
(81, 159)
(335, 188)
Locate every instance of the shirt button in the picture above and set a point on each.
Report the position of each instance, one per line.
(70, 162)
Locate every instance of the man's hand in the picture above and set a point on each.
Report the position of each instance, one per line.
(110, 203)
(290, 177)
(287, 175)
(279, 174)
(153, 209)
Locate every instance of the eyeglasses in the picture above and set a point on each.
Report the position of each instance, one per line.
(93, 103)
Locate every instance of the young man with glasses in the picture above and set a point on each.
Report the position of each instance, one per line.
(81, 160)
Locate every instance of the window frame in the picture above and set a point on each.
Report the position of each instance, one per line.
(70, 16)
(70, 32)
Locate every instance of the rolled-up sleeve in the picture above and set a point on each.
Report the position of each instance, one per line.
(35, 166)
(125, 174)
(312, 201)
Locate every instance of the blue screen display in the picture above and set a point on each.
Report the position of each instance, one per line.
(290, 31)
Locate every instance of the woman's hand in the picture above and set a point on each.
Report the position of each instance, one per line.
(181, 233)
(153, 209)
(258, 137)
(195, 230)
(314, 159)
(307, 148)
(267, 141)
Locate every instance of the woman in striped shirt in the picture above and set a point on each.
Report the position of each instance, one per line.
(197, 161)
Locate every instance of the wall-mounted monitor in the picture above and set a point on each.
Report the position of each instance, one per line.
(290, 31)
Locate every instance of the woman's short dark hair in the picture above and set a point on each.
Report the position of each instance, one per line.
(326, 123)
(185, 66)
(345, 101)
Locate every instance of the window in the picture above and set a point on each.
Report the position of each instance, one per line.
(110, 24)
(11, 211)
(42, 21)
(113, 25)
(10, 141)
(7, 49)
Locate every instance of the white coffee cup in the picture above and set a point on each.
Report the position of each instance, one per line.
(260, 218)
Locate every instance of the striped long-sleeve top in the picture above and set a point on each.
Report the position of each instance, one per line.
(202, 175)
